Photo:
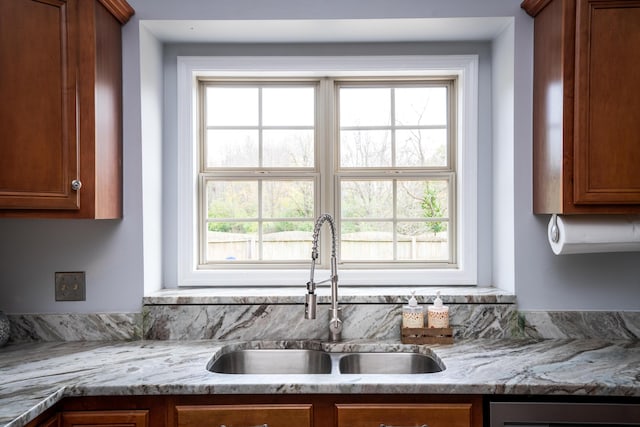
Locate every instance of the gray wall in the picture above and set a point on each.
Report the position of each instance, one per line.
(124, 258)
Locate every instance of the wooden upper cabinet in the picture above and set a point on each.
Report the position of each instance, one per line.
(586, 112)
(61, 113)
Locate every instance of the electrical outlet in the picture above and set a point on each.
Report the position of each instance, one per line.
(70, 286)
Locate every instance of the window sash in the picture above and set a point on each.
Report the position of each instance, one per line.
(394, 173)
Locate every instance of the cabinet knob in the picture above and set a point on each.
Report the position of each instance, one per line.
(76, 184)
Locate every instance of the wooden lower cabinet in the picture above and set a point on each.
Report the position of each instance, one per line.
(326, 410)
(244, 415)
(104, 418)
(271, 410)
(429, 414)
(51, 422)
(137, 418)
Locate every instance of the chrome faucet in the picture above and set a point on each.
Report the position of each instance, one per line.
(335, 312)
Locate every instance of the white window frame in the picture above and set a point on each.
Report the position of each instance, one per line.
(464, 67)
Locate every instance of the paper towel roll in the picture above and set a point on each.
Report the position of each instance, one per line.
(582, 234)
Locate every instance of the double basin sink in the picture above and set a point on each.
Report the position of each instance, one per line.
(311, 361)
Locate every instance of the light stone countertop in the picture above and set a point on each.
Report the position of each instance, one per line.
(34, 376)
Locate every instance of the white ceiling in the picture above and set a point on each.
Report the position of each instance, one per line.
(327, 31)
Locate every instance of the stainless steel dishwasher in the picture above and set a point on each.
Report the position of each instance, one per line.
(556, 414)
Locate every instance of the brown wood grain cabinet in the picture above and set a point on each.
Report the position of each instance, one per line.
(51, 422)
(96, 418)
(61, 113)
(274, 410)
(427, 414)
(340, 410)
(130, 418)
(586, 106)
(244, 415)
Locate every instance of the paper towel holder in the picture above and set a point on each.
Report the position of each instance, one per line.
(585, 234)
(554, 232)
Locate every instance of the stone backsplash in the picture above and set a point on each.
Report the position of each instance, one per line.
(286, 321)
(262, 315)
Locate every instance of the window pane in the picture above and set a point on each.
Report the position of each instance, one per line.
(232, 199)
(365, 148)
(292, 106)
(428, 241)
(421, 106)
(422, 199)
(288, 148)
(232, 106)
(287, 241)
(231, 241)
(365, 107)
(366, 241)
(366, 199)
(232, 148)
(287, 199)
(421, 147)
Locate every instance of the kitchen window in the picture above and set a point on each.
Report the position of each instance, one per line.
(380, 147)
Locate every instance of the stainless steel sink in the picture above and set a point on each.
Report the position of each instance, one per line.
(388, 363)
(306, 361)
(272, 361)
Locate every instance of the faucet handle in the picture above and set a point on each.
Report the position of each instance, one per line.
(335, 324)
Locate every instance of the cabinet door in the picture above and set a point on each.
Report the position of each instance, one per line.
(61, 109)
(404, 415)
(38, 115)
(132, 418)
(607, 103)
(51, 422)
(244, 415)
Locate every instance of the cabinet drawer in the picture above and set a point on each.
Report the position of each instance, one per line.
(51, 422)
(243, 415)
(404, 415)
(126, 418)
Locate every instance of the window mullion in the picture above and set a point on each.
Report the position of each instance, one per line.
(392, 109)
(260, 221)
(260, 130)
(326, 145)
(394, 225)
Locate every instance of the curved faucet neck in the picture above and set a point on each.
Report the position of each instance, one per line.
(316, 234)
(335, 322)
(316, 238)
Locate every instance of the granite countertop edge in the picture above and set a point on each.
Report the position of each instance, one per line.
(348, 295)
(35, 376)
